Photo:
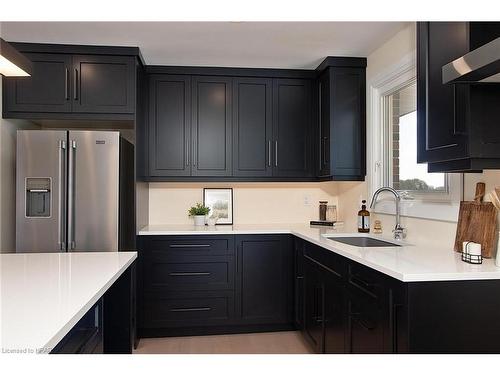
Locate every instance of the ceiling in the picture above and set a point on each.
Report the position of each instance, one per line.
(294, 45)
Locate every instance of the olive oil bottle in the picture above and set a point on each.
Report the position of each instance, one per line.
(363, 219)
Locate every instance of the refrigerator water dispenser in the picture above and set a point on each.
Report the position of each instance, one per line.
(38, 197)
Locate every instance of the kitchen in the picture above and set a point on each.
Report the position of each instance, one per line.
(229, 202)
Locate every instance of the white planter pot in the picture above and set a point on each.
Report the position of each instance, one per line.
(199, 220)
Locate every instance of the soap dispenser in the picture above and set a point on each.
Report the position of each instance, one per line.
(363, 219)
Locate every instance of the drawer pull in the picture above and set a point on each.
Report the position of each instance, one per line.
(363, 285)
(189, 274)
(187, 309)
(188, 246)
(362, 322)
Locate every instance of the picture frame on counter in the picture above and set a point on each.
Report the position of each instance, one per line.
(220, 201)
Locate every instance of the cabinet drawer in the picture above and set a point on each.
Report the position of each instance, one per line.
(164, 247)
(204, 274)
(364, 280)
(189, 309)
(328, 259)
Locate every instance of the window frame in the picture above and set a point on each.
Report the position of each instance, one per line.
(436, 205)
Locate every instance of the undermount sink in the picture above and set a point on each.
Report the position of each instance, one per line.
(362, 241)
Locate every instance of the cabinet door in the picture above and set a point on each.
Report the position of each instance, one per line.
(264, 277)
(442, 108)
(252, 127)
(292, 127)
(347, 123)
(365, 325)
(334, 313)
(47, 90)
(103, 84)
(324, 125)
(313, 309)
(169, 125)
(211, 126)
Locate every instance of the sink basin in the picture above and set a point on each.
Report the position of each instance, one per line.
(363, 241)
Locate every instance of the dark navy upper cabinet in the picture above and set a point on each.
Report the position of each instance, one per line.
(47, 90)
(252, 127)
(103, 84)
(169, 125)
(211, 126)
(456, 123)
(74, 82)
(292, 130)
(441, 107)
(341, 146)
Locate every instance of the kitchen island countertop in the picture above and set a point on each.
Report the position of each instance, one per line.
(43, 295)
(408, 263)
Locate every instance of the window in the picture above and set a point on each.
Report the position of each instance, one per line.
(400, 129)
(392, 134)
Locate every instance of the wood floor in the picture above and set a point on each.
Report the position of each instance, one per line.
(248, 343)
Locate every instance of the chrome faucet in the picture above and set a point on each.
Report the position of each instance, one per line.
(399, 231)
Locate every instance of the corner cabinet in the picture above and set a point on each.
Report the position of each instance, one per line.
(342, 120)
(65, 85)
(456, 123)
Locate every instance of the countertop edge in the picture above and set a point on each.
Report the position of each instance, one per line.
(71, 323)
(406, 278)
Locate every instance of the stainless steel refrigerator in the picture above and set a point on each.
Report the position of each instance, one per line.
(74, 191)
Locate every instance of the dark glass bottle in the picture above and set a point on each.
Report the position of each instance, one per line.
(363, 219)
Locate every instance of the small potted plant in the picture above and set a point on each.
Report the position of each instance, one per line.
(199, 212)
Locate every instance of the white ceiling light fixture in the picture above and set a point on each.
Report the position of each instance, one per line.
(12, 62)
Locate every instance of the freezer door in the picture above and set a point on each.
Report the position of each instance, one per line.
(93, 188)
(40, 191)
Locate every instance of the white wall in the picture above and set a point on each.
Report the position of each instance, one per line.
(8, 130)
(253, 203)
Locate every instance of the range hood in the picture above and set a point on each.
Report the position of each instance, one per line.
(479, 65)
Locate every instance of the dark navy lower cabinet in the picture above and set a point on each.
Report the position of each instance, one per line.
(86, 337)
(215, 284)
(264, 269)
(108, 327)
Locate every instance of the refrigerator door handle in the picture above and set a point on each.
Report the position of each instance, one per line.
(62, 195)
(71, 196)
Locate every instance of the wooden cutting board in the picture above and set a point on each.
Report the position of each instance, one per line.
(477, 222)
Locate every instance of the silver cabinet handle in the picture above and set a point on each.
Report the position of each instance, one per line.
(269, 153)
(66, 84)
(276, 154)
(71, 196)
(62, 195)
(189, 274)
(187, 154)
(191, 309)
(75, 85)
(174, 246)
(194, 153)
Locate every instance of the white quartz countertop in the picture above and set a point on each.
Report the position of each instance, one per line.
(43, 295)
(406, 263)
